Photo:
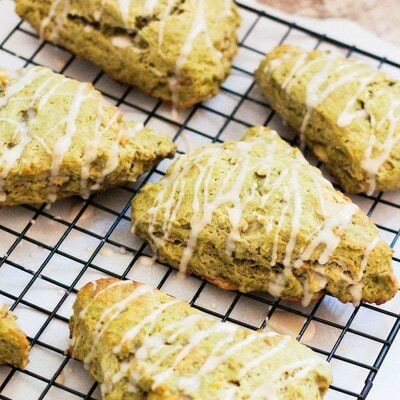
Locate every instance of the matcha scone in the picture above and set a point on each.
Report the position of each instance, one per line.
(60, 137)
(14, 346)
(140, 343)
(254, 215)
(345, 110)
(177, 50)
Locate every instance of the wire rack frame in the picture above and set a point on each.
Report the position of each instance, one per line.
(233, 116)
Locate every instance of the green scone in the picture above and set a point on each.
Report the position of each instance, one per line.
(346, 111)
(14, 346)
(60, 137)
(255, 216)
(178, 51)
(140, 343)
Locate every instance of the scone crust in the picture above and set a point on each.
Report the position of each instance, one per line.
(14, 345)
(254, 255)
(114, 304)
(179, 51)
(353, 128)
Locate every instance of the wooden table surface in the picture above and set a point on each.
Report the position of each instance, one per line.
(379, 16)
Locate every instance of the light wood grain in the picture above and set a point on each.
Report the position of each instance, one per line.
(379, 16)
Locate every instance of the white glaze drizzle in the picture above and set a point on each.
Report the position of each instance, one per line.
(149, 345)
(274, 383)
(99, 13)
(198, 27)
(11, 156)
(124, 8)
(279, 227)
(264, 356)
(180, 327)
(167, 12)
(227, 11)
(213, 360)
(357, 287)
(59, 15)
(111, 378)
(99, 293)
(316, 95)
(347, 115)
(50, 93)
(188, 384)
(91, 149)
(297, 66)
(90, 152)
(328, 235)
(297, 211)
(122, 42)
(149, 6)
(76, 339)
(49, 17)
(321, 202)
(149, 319)
(114, 151)
(372, 163)
(110, 314)
(63, 143)
(229, 394)
(28, 76)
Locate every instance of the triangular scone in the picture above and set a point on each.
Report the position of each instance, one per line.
(14, 346)
(344, 109)
(140, 343)
(254, 215)
(60, 137)
(178, 51)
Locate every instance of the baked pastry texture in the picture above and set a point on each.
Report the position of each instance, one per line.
(60, 137)
(140, 343)
(178, 51)
(14, 346)
(345, 110)
(254, 215)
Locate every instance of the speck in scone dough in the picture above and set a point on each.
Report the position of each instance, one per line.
(14, 346)
(177, 50)
(140, 343)
(254, 215)
(60, 137)
(345, 110)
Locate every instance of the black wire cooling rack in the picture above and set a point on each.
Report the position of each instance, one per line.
(354, 339)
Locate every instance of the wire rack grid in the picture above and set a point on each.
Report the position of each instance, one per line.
(48, 254)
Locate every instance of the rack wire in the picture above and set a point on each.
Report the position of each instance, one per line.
(359, 338)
